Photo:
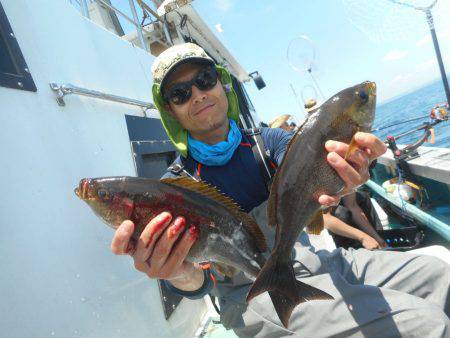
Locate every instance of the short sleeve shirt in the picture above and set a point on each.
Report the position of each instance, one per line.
(240, 178)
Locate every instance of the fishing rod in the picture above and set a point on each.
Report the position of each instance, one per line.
(401, 122)
(439, 114)
(426, 126)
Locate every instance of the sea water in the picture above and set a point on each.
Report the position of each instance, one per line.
(412, 105)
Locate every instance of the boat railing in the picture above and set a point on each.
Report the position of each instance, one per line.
(83, 6)
(62, 90)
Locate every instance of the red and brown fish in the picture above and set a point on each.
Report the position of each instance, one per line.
(227, 236)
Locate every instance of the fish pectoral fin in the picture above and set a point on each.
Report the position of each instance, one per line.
(352, 148)
(315, 226)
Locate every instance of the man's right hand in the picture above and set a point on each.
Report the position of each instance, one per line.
(157, 255)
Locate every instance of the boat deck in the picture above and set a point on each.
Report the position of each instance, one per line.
(214, 329)
(433, 163)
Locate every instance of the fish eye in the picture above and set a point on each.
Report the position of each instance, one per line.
(102, 193)
(363, 95)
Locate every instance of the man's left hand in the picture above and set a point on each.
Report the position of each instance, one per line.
(355, 169)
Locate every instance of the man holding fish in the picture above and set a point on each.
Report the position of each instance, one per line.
(357, 293)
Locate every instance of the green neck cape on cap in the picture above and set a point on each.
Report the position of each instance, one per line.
(177, 134)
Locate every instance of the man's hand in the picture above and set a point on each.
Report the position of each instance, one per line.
(157, 255)
(355, 170)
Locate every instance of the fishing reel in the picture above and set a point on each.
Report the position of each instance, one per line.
(440, 112)
(410, 151)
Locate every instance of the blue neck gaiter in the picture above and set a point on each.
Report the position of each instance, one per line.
(217, 154)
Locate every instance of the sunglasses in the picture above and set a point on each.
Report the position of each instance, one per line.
(181, 92)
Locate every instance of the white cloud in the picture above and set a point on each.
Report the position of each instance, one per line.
(423, 41)
(441, 34)
(427, 64)
(223, 5)
(432, 63)
(395, 55)
(219, 27)
(401, 78)
(423, 72)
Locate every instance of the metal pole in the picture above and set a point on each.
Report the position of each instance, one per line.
(111, 8)
(85, 9)
(138, 29)
(438, 54)
(66, 89)
(317, 85)
(302, 111)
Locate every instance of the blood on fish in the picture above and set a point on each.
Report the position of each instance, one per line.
(161, 223)
(194, 232)
(177, 227)
(176, 199)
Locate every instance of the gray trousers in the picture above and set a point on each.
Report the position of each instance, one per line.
(377, 294)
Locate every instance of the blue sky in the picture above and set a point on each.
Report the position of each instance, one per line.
(355, 40)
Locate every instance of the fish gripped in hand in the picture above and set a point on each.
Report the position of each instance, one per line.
(227, 236)
(302, 177)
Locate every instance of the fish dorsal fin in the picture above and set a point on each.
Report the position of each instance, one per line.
(272, 200)
(213, 193)
(293, 139)
(272, 204)
(204, 189)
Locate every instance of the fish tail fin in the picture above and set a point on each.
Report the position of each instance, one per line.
(307, 292)
(283, 306)
(277, 277)
(273, 276)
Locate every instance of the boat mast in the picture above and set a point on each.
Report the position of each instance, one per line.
(438, 54)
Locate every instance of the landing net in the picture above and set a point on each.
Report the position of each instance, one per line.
(393, 20)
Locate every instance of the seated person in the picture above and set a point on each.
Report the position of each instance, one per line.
(350, 225)
(281, 122)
